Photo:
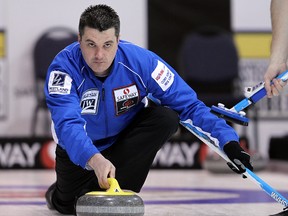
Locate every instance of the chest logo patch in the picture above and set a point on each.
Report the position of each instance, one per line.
(89, 101)
(125, 98)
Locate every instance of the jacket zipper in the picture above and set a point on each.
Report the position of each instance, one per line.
(103, 94)
(103, 99)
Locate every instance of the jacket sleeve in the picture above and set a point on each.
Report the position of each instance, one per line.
(64, 104)
(172, 91)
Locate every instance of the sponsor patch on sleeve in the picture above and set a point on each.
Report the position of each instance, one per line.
(163, 76)
(59, 83)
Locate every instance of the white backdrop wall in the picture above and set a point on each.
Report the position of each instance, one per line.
(247, 15)
(2, 14)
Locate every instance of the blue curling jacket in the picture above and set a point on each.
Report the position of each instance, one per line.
(88, 114)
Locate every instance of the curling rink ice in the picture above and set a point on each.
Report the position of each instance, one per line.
(166, 192)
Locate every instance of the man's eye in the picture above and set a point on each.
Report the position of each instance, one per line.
(107, 45)
(91, 44)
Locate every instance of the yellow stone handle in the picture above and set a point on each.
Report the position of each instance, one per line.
(113, 190)
(114, 186)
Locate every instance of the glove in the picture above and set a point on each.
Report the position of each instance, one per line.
(238, 156)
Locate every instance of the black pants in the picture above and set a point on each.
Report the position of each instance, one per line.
(132, 155)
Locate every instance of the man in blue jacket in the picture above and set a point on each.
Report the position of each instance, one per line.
(96, 91)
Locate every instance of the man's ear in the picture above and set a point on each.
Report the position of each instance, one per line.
(79, 38)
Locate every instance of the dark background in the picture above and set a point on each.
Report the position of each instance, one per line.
(169, 21)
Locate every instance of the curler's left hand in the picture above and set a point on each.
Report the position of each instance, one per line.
(238, 156)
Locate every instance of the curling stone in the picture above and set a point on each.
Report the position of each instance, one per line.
(111, 202)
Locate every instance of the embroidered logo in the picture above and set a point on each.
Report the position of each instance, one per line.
(125, 98)
(89, 101)
(59, 83)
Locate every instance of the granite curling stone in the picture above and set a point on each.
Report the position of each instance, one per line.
(113, 201)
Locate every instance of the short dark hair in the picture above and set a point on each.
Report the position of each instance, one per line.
(100, 17)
